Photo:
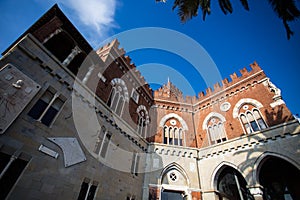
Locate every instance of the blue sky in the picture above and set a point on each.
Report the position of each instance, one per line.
(232, 42)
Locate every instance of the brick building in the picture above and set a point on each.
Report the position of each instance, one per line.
(84, 124)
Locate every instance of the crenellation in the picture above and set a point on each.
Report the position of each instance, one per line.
(201, 95)
(208, 91)
(244, 72)
(217, 87)
(128, 60)
(234, 78)
(225, 82)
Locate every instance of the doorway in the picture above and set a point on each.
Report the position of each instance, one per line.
(172, 195)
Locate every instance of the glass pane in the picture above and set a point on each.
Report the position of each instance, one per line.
(180, 142)
(83, 191)
(248, 128)
(4, 159)
(261, 123)
(10, 177)
(91, 193)
(37, 110)
(254, 126)
(49, 116)
(175, 141)
(170, 195)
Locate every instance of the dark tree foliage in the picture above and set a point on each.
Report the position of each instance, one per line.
(286, 10)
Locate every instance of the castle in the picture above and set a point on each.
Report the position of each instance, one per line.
(82, 124)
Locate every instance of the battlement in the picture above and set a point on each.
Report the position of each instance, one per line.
(116, 52)
(105, 50)
(234, 78)
(167, 91)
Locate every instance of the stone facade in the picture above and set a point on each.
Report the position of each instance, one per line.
(84, 124)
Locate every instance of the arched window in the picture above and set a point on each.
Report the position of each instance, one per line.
(251, 119)
(143, 120)
(173, 133)
(118, 96)
(214, 125)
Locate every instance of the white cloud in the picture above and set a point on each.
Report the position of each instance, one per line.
(96, 15)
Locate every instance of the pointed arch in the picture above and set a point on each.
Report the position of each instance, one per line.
(218, 169)
(230, 183)
(177, 167)
(278, 176)
(263, 157)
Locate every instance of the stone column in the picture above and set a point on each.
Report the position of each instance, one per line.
(76, 50)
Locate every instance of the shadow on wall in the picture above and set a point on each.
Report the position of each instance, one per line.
(260, 140)
(277, 116)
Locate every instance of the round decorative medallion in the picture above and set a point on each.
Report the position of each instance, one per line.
(173, 122)
(225, 106)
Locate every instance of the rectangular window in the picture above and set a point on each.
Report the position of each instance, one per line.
(105, 144)
(87, 190)
(135, 163)
(47, 107)
(11, 167)
(135, 96)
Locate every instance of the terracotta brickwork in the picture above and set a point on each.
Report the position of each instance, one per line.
(121, 68)
(250, 87)
(196, 195)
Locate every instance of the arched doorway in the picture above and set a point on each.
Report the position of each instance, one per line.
(279, 178)
(174, 183)
(232, 185)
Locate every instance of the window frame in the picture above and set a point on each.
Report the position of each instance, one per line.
(216, 132)
(56, 96)
(169, 136)
(135, 99)
(249, 123)
(103, 138)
